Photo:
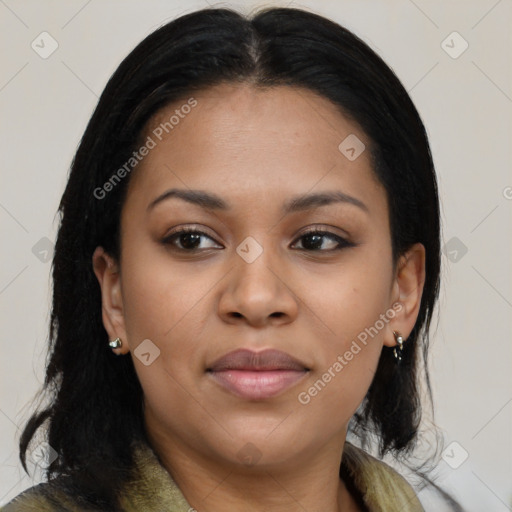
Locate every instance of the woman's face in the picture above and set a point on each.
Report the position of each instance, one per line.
(254, 278)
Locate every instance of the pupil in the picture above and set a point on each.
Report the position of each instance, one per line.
(189, 244)
(317, 241)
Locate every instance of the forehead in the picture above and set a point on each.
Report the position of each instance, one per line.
(252, 141)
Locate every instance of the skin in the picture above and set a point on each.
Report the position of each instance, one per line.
(255, 149)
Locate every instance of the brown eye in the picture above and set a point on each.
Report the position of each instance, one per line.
(187, 239)
(315, 240)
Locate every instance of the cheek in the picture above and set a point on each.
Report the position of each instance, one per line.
(346, 363)
(352, 310)
(346, 300)
(168, 305)
(158, 299)
(163, 305)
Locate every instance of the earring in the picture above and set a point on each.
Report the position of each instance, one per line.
(115, 343)
(400, 342)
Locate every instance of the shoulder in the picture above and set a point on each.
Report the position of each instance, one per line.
(47, 497)
(381, 486)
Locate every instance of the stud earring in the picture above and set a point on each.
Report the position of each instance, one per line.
(115, 343)
(400, 343)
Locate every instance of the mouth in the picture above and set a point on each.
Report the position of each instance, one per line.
(257, 375)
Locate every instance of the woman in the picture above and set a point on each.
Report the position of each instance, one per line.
(244, 275)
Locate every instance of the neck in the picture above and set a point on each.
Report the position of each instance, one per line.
(306, 482)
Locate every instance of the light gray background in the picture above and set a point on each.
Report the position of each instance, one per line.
(466, 105)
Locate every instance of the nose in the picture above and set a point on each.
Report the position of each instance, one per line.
(259, 293)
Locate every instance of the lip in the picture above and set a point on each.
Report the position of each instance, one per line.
(257, 375)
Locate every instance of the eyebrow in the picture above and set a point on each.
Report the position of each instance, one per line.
(211, 201)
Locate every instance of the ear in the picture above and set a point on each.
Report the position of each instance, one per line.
(107, 273)
(407, 290)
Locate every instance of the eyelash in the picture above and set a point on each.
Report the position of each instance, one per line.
(342, 242)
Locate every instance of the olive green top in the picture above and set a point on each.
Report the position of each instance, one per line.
(382, 489)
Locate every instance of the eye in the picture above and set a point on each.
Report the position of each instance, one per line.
(189, 240)
(186, 239)
(315, 240)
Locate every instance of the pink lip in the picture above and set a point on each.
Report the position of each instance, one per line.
(257, 375)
